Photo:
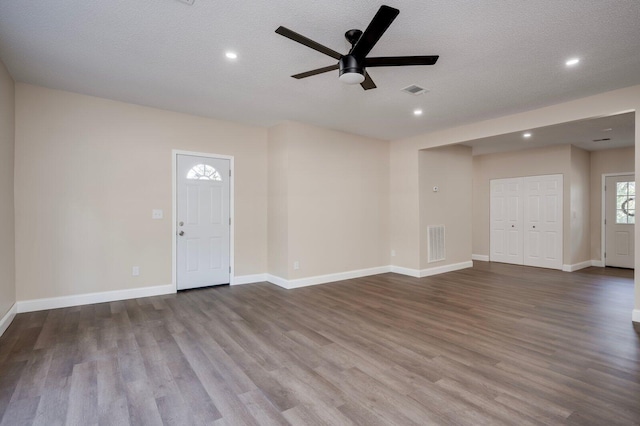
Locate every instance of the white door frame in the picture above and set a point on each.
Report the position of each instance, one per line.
(603, 233)
(174, 211)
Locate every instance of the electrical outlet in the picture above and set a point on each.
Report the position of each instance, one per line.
(135, 271)
(296, 265)
(393, 253)
(157, 214)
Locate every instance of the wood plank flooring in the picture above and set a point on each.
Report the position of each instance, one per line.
(495, 344)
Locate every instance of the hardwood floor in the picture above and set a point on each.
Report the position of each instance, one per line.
(495, 344)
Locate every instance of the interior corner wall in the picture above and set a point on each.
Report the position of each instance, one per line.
(89, 171)
(7, 230)
(278, 210)
(336, 201)
(450, 169)
(580, 217)
(621, 160)
(405, 205)
(532, 162)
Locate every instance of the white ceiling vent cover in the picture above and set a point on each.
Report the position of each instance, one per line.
(436, 243)
(414, 89)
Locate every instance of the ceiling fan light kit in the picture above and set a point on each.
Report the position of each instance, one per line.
(352, 66)
(351, 72)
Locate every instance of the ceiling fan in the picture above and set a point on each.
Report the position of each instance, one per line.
(353, 65)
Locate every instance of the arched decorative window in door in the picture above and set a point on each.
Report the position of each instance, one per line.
(626, 202)
(204, 172)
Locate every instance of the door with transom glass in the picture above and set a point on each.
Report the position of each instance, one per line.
(203, 221)
(620, 219)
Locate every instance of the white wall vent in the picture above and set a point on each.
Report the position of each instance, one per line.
(414, 89)
(436, 243)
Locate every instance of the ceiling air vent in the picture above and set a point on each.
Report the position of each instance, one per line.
(602, 140)
(414, 89)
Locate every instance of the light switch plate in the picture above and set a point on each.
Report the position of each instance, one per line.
(157, 214)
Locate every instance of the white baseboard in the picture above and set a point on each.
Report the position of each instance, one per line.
(581, 265)
(329, 278)
(635, 315)
(446, 268)
(90, 298)
(6, 320)
(598, 263)
(480, 257)
(249, 279)
(279, 281)
(406, 271)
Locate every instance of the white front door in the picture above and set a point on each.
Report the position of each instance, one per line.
(203, 221)
(543, 221)
(506, 221)
(620, 211)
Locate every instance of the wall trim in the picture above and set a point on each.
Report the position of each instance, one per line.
(480, 257)
(577, 266)
(7, 319)
(405, 271)
(446, 268)
(90, 298)
(582, 265)
(329, 278)
(635, 315)
(249, 279)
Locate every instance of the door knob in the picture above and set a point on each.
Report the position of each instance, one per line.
(181, 233)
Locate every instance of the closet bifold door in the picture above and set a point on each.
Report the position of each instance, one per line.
(506, 219)
(526, 221)
(543, 221)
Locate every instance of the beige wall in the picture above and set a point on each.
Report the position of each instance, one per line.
(7, 249)
(534, 162)
(337, 203)
(278, 212)
(450, 169)
(602, 162)
(580, 233)
(88, 173)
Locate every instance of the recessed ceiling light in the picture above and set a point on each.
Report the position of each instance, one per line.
(572, 62)
(417, 112)
(231, 55)
(607, 129)
(526, 135)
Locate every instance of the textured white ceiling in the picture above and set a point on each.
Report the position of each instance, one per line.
(620, 129)
(497, 57)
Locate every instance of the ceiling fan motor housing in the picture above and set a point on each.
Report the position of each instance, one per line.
(351, 72)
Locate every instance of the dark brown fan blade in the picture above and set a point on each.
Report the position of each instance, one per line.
(315, 72)
(396, 61)
(367, 83)
(374, 31)
(308, 42)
